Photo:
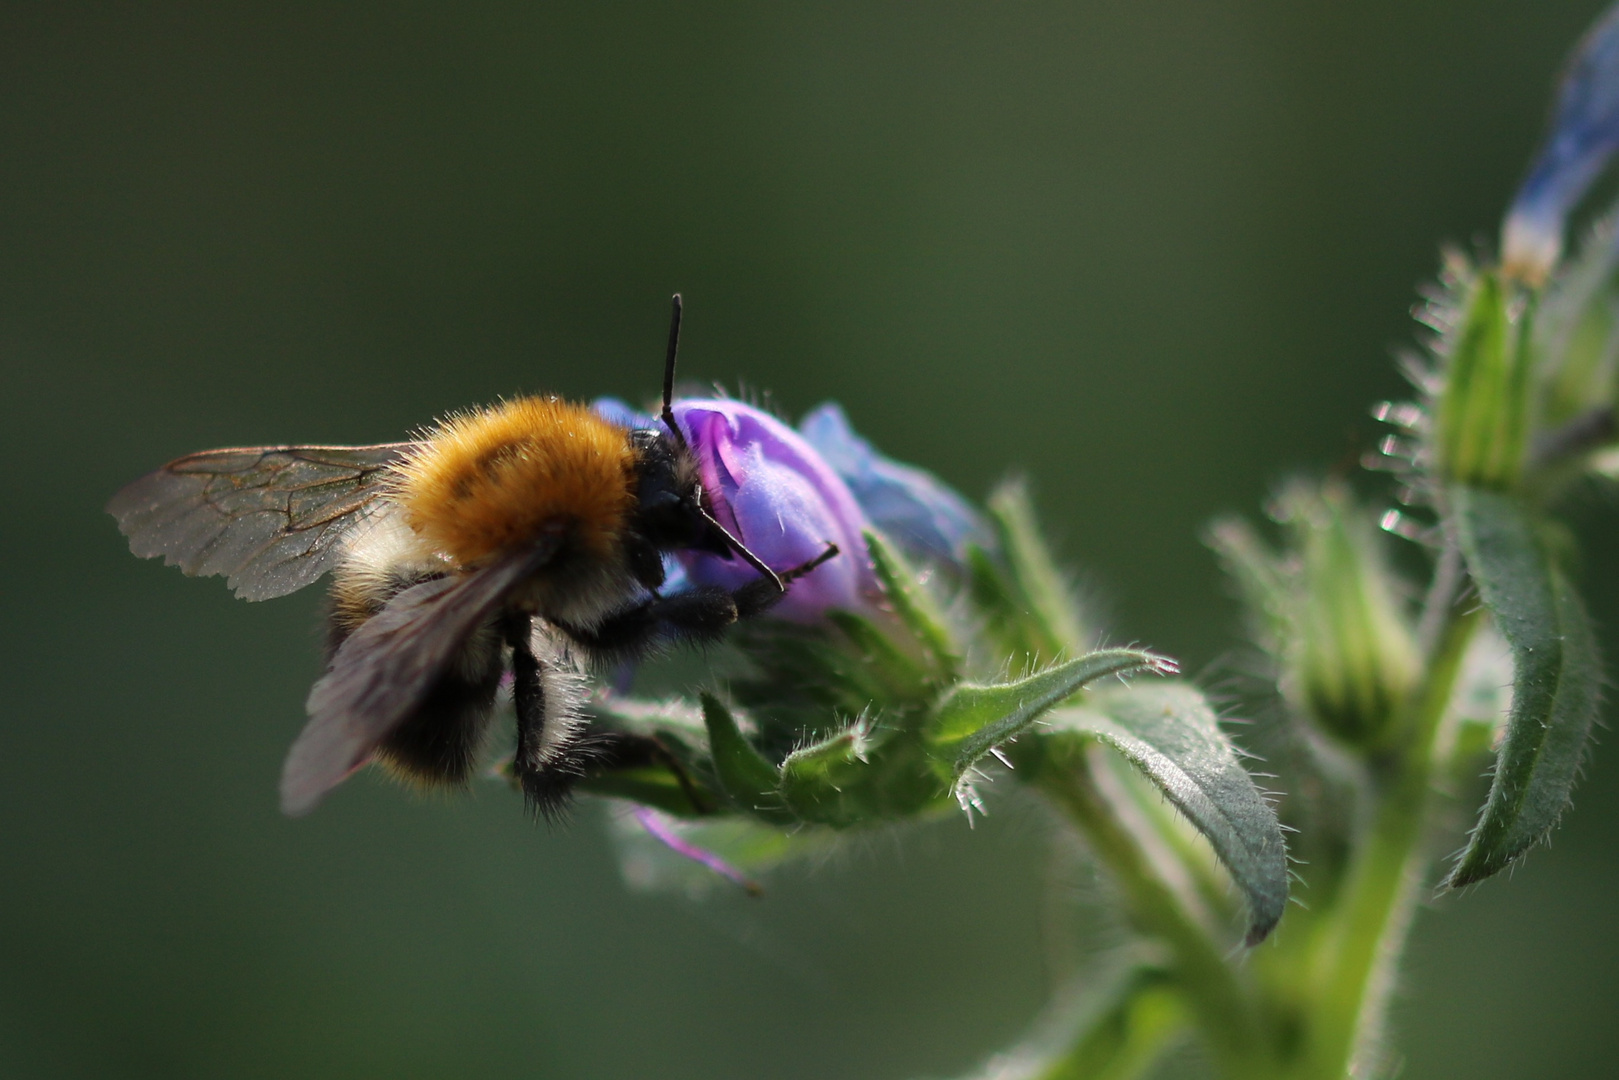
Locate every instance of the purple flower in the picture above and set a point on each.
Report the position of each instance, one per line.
(786, 494)
(1584, 135)
(910, 505)
(772, 490)
(667, 831)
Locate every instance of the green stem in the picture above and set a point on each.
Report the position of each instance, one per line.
(1127, 1040)
(1354, 960)
(1222, 1004)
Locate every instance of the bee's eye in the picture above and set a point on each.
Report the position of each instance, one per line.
(660, 502)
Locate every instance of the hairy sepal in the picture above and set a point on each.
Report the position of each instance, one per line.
(749, 780)
(1028, 610)
(916, 609)
(829, 782)
(1482, 418)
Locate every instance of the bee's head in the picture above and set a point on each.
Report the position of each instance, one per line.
(671, 511)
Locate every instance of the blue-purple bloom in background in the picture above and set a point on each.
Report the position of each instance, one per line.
(911, 506)
(1584, 135)
(623, 413)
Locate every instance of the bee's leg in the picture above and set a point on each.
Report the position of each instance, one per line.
(760, 595)
(698, 614)
(621, 751)
(701, 613)
(550, 758)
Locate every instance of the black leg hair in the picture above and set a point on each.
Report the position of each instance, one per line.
(528, 698)
(550, 760)
(551, 757)
(700, 614)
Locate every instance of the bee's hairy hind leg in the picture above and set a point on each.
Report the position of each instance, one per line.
(549, 760)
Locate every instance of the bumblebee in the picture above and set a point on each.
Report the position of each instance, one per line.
(527, 537)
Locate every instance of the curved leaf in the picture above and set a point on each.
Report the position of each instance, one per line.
(1170, 733)
(1026, 604)
(1556, 686)
(915, 607)
(972, 719)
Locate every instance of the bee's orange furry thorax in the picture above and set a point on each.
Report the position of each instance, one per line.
(490, 481)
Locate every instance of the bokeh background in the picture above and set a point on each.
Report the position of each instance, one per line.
(1156, 254)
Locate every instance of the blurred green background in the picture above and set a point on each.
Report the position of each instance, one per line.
(1156, 254)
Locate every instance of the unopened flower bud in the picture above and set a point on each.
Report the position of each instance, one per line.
(1483, 407)
(1355, 659)
(1584, 135)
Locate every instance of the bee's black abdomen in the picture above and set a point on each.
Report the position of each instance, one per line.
(439, 743)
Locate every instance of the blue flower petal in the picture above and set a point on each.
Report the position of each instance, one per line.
(1584, 135)
(622, 413)
(910, 505)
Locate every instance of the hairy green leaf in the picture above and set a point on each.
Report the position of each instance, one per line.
(1170, 733)
(900, 678)
(1047, 598)
(1556, 684)
(1027, 607)
(1001, 609)
(972, 719)
(823, 782)
(1263, 579)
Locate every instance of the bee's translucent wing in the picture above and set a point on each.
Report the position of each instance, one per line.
(385, 668)
(267, 517)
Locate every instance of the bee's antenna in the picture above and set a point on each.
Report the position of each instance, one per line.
(742, 549)
(669, 374)
(779, 581)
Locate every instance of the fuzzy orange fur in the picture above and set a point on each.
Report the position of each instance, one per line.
(489, 481)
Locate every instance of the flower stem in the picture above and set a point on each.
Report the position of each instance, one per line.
(1220, 1001)
(1355, 957)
